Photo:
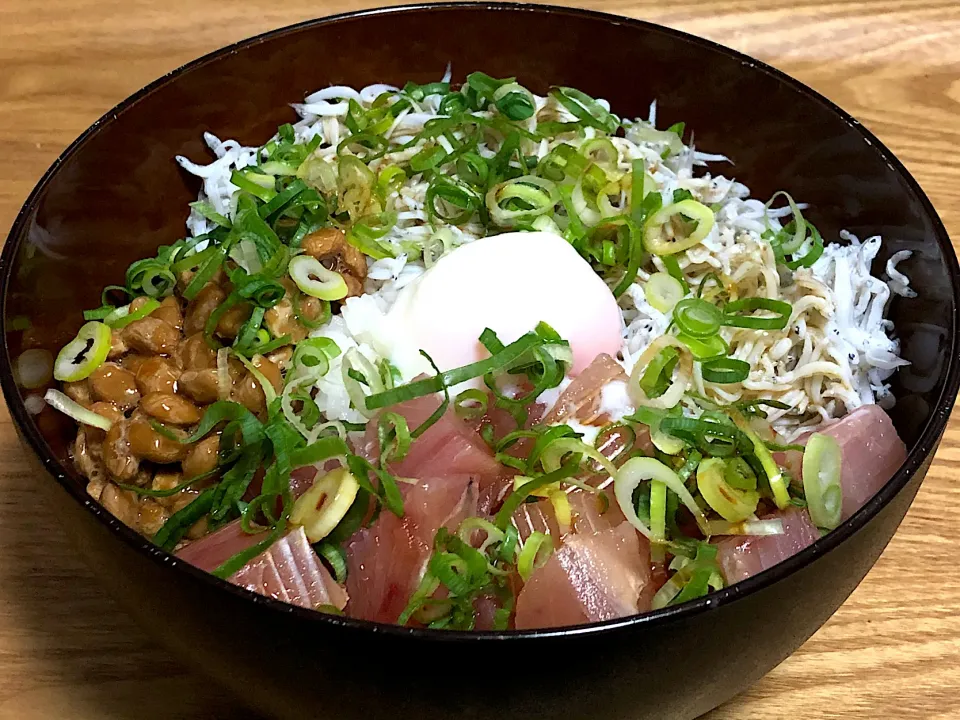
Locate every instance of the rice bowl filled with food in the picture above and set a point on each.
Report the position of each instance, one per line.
(473, 358)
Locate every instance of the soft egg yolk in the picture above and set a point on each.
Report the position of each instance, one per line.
(508, 283)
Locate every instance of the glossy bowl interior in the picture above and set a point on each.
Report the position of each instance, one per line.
(116, 194)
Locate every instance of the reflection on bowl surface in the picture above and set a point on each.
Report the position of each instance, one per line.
(117, 195)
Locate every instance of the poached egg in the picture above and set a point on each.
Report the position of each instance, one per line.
(508, 283)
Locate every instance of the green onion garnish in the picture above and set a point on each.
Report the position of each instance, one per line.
(536, 551)
(725, 370)
(657, 376)
(822, 471)
(781, 313)
(697, 318)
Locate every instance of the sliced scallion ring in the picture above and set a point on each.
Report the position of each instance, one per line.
(697, 318)
(679, 383)
(635, 471)
(521, 200)
(470, 404)
(730, 503)
(778, 485)
(315, 280)
(658, 518)
(704, 349)
(58, 401)
(601, 151)
(778, 321)
(663, 292)
(657, 243)
(799, 224)
(656, 378)
(323, 506)
(553, 454)
(84, 354)
(534, 555)
(121, 317)
(822, 466)
(514, 101)
(739, 474)
(725, 370)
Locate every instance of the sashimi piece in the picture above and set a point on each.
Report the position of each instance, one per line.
(386, 561)
(590, 578)
(302, 478)
(582, 398)
(291, 571)
(872, 453)
(448, 447)
(537, 517)
(211, 551)
(741, 557)
(589, 514)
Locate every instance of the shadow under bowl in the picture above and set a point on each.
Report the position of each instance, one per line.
(116, 194)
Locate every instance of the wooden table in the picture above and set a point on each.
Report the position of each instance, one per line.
(892, 651)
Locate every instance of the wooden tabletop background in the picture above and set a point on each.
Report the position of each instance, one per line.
(67, 651)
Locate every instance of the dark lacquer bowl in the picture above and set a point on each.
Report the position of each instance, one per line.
(116, 194)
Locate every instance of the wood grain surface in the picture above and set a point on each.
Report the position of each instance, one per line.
(892, 651)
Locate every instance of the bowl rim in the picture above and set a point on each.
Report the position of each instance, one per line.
(920, 453)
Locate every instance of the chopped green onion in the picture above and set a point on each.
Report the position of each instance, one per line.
(335, 557)
(177, 525)
(586, 109)
(799, 224)
(822, 472)
(514, 101)
(506, 357)
(84, 354)
(640, 469)
(725, 370)
(658, 518)
(518, 496)
(451, 201)
(470, 404)
(656, 378)
(536, 551)
(520, 200)
(657, 243)
(707, 434)
(206, 210)
(781, 313)
(356, 183)
(775, 477)
(255, 183)
(552, 454)
(121, 317)
(429, 157)
(390, 180)
(58, 401)
(663, 291)
(150, 277)
(367, 231)
(704, 349)
(393, 435)
(730, 503)
(672, 265)
(738, 474)
(697, 318)
(315, 280)
(635, 257)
